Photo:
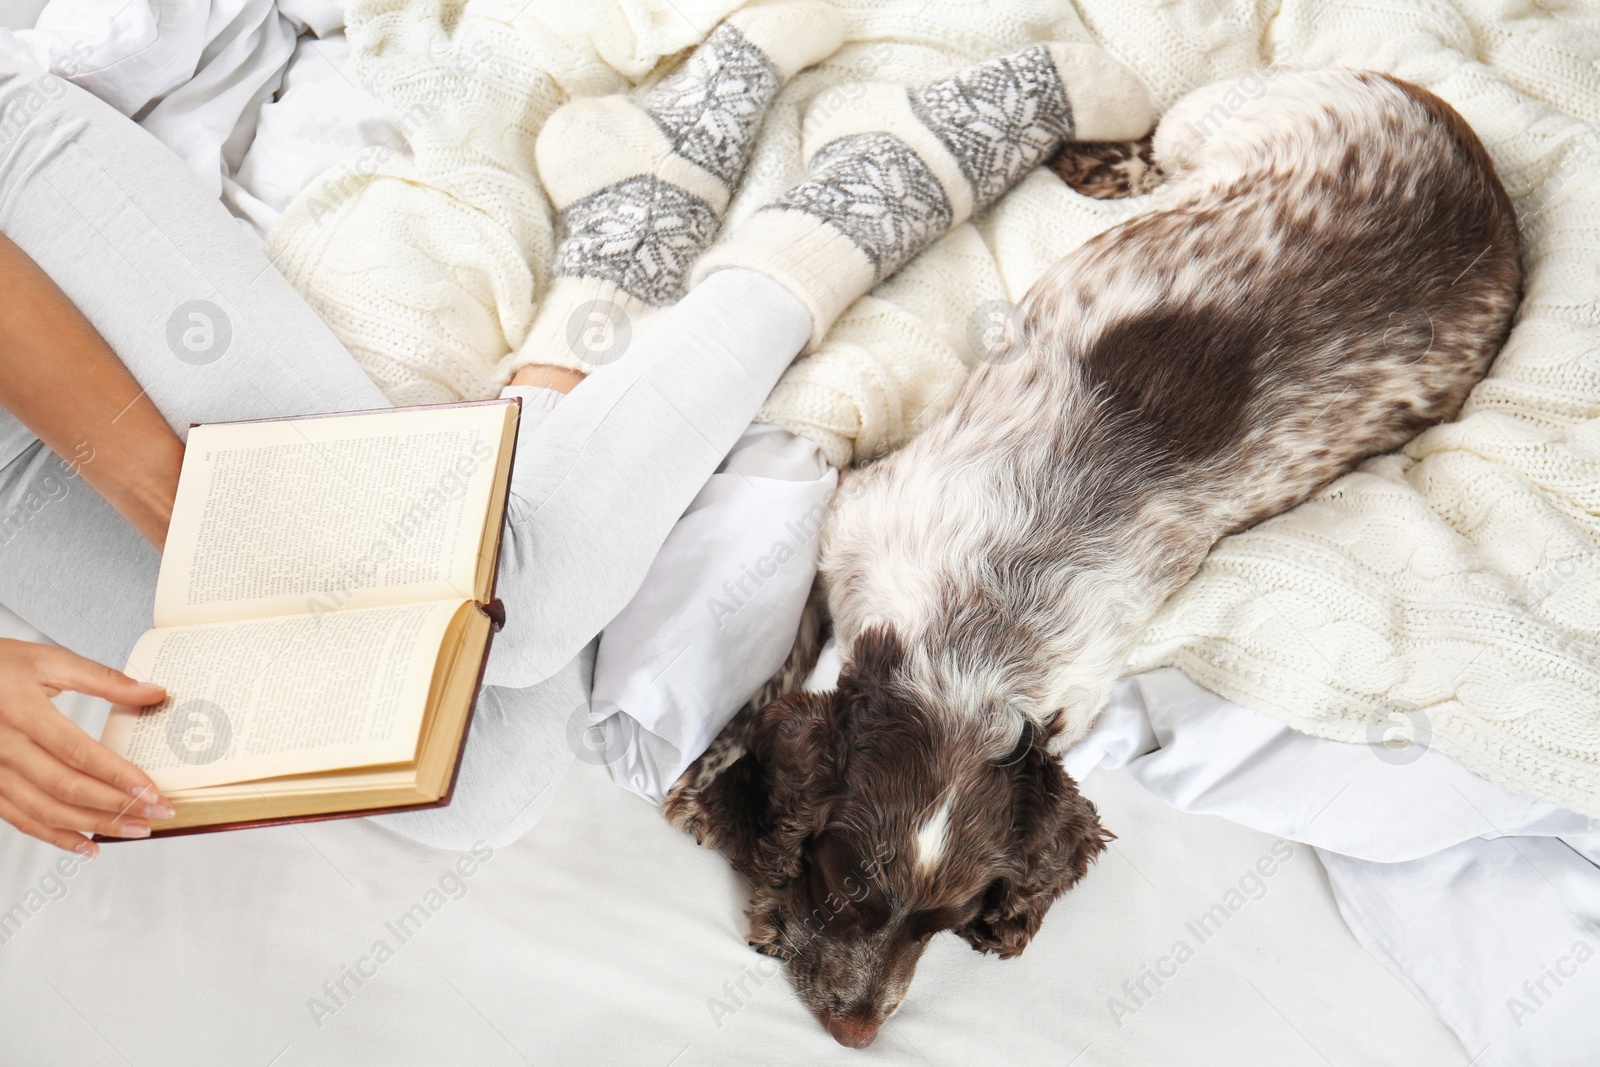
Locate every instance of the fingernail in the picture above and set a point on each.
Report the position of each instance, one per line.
(162, 810)
(145, 792)
(133, 829)
(88, 850)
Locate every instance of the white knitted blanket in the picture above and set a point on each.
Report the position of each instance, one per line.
(1452, 590)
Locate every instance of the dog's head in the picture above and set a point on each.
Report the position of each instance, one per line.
(868, 823)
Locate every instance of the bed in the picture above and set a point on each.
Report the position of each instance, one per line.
(603, 936)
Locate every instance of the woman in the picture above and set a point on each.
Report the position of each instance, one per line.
(133, 306)
(88, 199)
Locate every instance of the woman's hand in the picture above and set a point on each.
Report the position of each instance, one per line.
(61, 380)
(56, 782)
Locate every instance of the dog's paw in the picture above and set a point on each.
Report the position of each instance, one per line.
(767, 933)
(686, 806)
(1107, 170)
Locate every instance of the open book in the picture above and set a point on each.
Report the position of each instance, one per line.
(323, 613)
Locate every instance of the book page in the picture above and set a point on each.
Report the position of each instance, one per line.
(291, 695)
(322, 514)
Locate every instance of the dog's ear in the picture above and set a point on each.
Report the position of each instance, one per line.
(758, 792)
(1056, 834)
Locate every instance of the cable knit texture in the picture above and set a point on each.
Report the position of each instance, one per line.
(1456, 583)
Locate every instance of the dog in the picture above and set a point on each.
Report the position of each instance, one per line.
(1327, 268)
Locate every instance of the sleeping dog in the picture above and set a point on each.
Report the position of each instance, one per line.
(1327, 269)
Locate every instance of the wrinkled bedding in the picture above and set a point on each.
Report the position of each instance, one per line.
(290, 901)
(604, 938)
(1458, 579)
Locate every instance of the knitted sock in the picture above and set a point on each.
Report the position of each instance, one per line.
(642, 182)
(894, 172)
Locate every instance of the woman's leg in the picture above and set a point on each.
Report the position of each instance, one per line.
(212, 332)
(170, 279)
(188, 302)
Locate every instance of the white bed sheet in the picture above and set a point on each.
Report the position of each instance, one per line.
(606, 937)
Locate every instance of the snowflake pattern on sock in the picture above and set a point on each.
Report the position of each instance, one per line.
(875, 190)
(711, 107)
(998, 119)
(641, 234)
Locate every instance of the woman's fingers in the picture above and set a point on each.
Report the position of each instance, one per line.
(43, 723)
(56, 782)
(48, 811)
(64, 839)
(22, 756)
(61, 669)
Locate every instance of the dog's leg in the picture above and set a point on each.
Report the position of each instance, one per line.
(690, 799)
(688, 805)
(1108, 170)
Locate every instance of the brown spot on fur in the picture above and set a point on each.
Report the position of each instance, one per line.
(1190, 401)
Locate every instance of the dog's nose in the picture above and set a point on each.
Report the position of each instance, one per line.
(853, 1033)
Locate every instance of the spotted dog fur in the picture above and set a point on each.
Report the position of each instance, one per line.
(1107, 170)
(1328, 272)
